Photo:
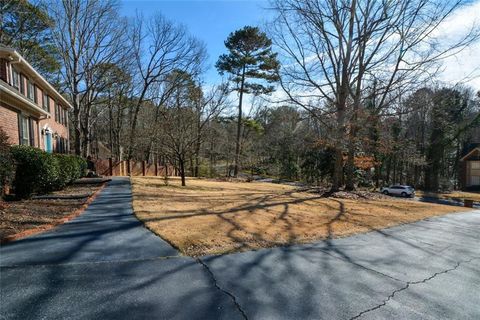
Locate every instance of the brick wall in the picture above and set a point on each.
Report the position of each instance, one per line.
(9, 118)
(52, 123)
(9, 123)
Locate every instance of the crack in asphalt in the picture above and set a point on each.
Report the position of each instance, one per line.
(360, 265)
(407, 285)
(215, 283)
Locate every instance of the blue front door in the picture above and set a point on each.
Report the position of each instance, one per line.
(48, 142)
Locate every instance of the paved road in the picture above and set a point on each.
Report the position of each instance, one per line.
(105, 265)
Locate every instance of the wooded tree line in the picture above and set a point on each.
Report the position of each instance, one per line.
(333, 92)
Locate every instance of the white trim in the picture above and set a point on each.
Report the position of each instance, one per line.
(15, 58)
(8, 90)
(470, 153)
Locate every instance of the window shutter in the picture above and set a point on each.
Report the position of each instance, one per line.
(20, 129)
(31, 132)
(35, 94)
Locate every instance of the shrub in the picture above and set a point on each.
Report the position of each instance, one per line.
(41, 172)
(7, 169)
(70, 168)
(66, 170)
(36, 171)
(81, 166)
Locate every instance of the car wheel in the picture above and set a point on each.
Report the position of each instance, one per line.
(385, 192)
(404, 194)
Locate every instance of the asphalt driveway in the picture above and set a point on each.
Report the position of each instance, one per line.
(105, 265)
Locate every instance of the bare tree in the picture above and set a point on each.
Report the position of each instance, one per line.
(334, 50)
(183, 117)
(207, 107)
(109, 112)
(159, 48)
(88, 34)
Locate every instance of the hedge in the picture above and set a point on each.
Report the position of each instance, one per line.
(6, 162)
(40, 172)
(70, 168)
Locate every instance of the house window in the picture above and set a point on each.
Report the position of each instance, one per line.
(46, 102)
(60, 146)
(30, 90)
(26, 131)
(15, 79)
(22, 84)
(475, 165)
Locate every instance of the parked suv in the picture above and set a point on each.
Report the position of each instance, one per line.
(399, 190)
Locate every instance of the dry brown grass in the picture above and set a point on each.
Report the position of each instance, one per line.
(211, 217)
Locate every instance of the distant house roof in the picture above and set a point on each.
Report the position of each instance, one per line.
(14, 57)
(465, 157)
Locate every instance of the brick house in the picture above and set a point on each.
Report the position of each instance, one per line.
(32, 112)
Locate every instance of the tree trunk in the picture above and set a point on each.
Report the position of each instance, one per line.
(133, 124)
(192, 165)
(76, 130)
(340, 135)
(350, 185)
(239, 127)
(181, 163)
(110, 124)
(342, 98)
(338, 170)
(197, 157)
(388, 170)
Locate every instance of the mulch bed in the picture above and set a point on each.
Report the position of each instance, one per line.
(353, 195)
(19, 219)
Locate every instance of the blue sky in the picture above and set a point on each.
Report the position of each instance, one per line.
(210, 21)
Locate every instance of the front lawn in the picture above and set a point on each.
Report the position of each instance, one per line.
(211, 217)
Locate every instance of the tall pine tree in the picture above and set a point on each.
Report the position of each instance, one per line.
(253, 67)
